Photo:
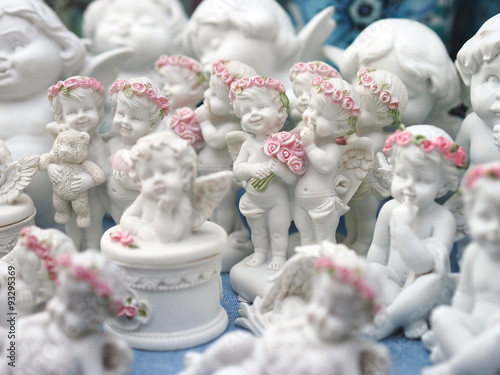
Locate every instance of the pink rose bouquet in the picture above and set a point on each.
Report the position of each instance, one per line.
(185, 124)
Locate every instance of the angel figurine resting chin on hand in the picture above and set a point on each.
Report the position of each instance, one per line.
(173, 201)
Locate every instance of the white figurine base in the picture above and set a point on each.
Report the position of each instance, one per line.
(180, 285)
(13, 218)
(250, 282)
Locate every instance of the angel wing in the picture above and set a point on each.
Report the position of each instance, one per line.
(456, 205)
(357, 160)
(382, 173)
(208, 191)
(16, 177)
(314, 34)
(234, 141)
(104, 65)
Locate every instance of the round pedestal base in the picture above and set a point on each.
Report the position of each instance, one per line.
(179, 286)
(13, 218)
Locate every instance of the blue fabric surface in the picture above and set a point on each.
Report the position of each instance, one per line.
(409, 357)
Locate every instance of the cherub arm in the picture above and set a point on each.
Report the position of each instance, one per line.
(243, 170)
(420, 254)
(380, 247)
(281, 170)
(214, 136)
(132, 222)
(464, 294)
(324, 160)
(465, 133)
(94, 171)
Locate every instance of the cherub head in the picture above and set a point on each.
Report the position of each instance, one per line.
(383, 97)
(422, 63)
(36, 49)
(137, 107)
(163, 166)
(425, 163)
(34, 258)
(88, 292)
(258, 33)
(482, 205)
(479, 66)
(261, 104)
(224, 72)
(301, 75)
(344, 293)
(149, 27)
(182, 79)
(77, 102)
(333, 109)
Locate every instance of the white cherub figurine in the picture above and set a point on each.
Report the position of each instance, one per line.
(423, 65)
(148, 28)
(163, 166)
(414, 234)
(301, 75)
(464, 335)
(181, 80)
(34, 262)
(217, 118)
(259, 33)
(323, 191)
(78, 104)
(36, 51)
(71, 323)
(320, 336)
(69, 153)
(478, 63)
(137, 110)
(383, 98)
(262, 105)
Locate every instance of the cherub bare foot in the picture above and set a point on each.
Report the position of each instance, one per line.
(276, 263)
(256, 259)
(381, 328)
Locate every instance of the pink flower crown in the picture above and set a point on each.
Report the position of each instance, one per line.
(182, 62)
(342, 98)
(239, 85)
(352, 277)
(381, 92)
(144, 90)
(90, 276)
(481, 171)
(41, 250)
(451, 151)
(316, 68)
(219, 69)
(73, 83)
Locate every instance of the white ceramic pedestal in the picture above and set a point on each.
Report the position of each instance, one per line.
(181, 285)
(13, 218)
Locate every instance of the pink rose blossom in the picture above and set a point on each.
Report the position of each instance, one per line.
(402, 137)
(328, 87)
(296, 165)
(259, 81)
(393, 104)
(355, 111)
(271, 148)
(367, 80)
(384, 96)
(317, 81)
(127, 311)
(184, 113)
(347, 103)
(427, 145)
(324, 263)
(64, 259)
(337, 95)
(70, 82)
(283, 155)
(375, 89)
(139, 88)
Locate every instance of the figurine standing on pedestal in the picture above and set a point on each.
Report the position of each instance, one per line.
(71, 323)
(168, 253)
(137, 109)
(262, 105)
(464, 335)
(314, 337)
(414, 234)
(333, 172)
(383, 98)
(423, 65)
(78, 105)
(149, 28)
(301, 76)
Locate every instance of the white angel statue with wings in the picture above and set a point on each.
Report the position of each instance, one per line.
(172, 200)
